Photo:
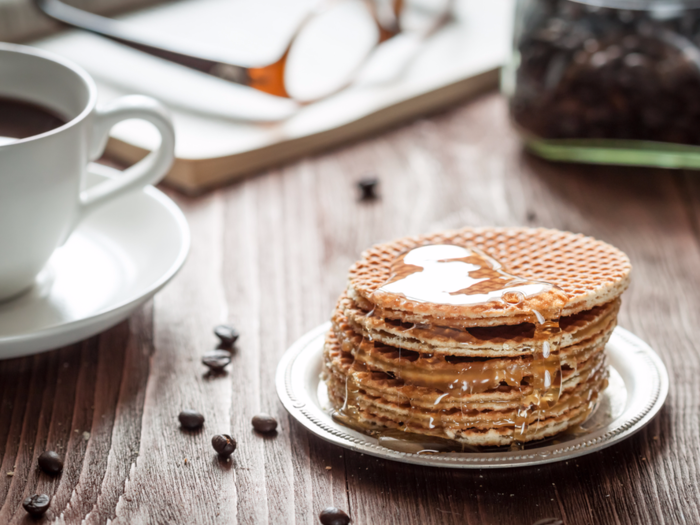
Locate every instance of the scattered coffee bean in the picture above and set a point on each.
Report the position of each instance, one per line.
(223, 444)
(191, 419)
(368, 187)
(50, 462)
(264, 423)
(37, 505)
(216, 360)
(549, 521)
(227, 334)
(334, 516)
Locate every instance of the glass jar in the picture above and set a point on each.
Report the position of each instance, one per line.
(607, 81)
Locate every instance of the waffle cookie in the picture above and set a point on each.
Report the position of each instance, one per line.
(484, 337)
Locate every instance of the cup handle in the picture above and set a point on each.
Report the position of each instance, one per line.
(148, 170)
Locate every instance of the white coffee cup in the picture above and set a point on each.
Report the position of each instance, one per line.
(41, 195)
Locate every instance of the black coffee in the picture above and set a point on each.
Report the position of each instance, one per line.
(20, 119)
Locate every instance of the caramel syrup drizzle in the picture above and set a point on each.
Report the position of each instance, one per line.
(458, 276)
(452, 275)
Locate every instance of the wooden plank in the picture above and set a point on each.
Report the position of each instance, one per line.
(177, 477)
(26, 430)
(125, 416)
(96, 437)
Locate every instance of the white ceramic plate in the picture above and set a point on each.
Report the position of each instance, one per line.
(117, 259)
(637, 390)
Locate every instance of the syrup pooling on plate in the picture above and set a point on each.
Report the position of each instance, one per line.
(458, 276)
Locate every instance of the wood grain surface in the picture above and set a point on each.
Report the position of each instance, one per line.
(270, 256)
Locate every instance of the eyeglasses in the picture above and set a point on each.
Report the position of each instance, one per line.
(385, 17)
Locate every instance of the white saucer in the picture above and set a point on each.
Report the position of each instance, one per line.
(117, 259)
(637, 391)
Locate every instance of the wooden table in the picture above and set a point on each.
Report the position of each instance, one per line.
(270, 255)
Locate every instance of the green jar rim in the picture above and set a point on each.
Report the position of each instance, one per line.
(618, 152)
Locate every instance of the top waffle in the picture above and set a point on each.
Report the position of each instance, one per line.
(589, 272)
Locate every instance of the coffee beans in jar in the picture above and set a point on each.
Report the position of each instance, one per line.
(606, 79)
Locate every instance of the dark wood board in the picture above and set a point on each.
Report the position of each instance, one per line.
(270, 255)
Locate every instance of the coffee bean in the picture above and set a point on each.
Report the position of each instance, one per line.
(216, 360)
(227, 334)
(223, 444)
(264, 423)
(50, 462)
(191, 419)
(333, 516)
(37, 505)
(368, 187)
(549, 521)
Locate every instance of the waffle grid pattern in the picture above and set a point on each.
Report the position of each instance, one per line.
(589, 271)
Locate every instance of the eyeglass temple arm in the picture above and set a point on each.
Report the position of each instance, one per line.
(386, 17)
(269, 79)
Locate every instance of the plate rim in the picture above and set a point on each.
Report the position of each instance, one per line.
(595, 441)
(116, 309)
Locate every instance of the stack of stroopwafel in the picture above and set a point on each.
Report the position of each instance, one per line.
(454, 335)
